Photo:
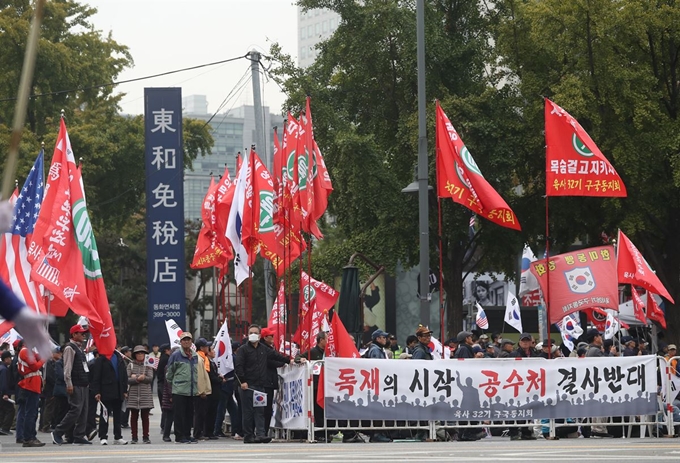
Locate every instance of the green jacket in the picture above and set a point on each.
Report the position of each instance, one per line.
(182, 373)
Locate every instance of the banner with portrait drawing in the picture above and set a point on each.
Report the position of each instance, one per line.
(290, 402)
(489, 389)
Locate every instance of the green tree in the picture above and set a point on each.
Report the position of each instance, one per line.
(363, 87)
(614, 66)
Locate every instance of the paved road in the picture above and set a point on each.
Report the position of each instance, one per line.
(495, 449)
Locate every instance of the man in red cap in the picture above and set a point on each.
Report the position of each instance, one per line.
(75, 376)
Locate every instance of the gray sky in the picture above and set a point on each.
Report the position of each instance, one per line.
(165, 35)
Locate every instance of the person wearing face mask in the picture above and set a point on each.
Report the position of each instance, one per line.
(250, 367)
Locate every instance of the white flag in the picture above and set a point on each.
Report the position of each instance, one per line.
(437, 350)
(173, 332)
(512, 313)
(527, 280)
(223, 354)
(235, 224)
(259, 399)
(611, 326)
(570, 328)
(481, 319)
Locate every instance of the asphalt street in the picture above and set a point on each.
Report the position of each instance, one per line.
(491, 449)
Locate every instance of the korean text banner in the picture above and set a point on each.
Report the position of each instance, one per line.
(291, 401)
(489, 389)
(164, 161)
(578, 280)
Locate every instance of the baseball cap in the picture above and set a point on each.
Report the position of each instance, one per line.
(507, 341)
(186, 334)
(477, 349)
(484, 336)
(202, 342)
(78, 329)
(672, 347)
(422, 330)
(524, 336)
(592, 333)
(267, 332)
(378, 333)
(125, 349)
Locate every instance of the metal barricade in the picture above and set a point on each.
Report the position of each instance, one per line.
(648, 424)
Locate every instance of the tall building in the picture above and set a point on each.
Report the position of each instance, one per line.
(233, 131)
(314, 26)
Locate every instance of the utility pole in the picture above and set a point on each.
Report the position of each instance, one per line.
(260, 143)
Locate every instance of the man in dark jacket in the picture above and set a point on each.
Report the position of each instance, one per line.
(213, 398)
(273, 376)
(251, 372)
(525, 350)
(160, 376)
(6, 408)
(50, 404)
(109, 386)
(465, 351)
(421, 351)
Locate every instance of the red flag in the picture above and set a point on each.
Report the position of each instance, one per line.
(574, 165)
(633, 268)
(65, 253)
(459, 178)
(224, 197)
(578, 280)
(278, 163)
(209, 250)
(638, 306)
(318, 298)
(339, 343)
(322, 185)
(325, 295)
(654, 312)
(597, 317)
(277, 318)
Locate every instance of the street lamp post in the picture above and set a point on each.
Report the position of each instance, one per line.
(422, 169)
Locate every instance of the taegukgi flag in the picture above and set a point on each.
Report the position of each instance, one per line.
(512, 314)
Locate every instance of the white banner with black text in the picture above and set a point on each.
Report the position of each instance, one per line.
(290, 401)
(489, 389)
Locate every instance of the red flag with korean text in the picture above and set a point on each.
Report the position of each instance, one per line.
(317, 299)
(210, 251)
(633, 268)
(578, 280)
(305, 174)
(278, 162)
(224, 196)
(654, 312)
(74, 276)
(638, 306)
(459, 177)
(574, 165)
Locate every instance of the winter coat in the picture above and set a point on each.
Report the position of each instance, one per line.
(140, 395)
(203, 378)
(104, 379)
(421, 352)
(251, 363)
(166, 401)
(182, 373)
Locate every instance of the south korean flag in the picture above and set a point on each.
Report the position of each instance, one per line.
(580, 280)
(259, 399)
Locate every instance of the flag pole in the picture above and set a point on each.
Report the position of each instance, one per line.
(441, 280)
(22, 98)
(547, 262)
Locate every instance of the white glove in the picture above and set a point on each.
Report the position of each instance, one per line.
(6, 215)
(32, 326)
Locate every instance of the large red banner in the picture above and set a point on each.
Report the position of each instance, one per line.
(578, 280)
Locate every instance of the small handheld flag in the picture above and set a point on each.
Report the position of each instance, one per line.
(481, 319)
(259, 399)
(512, 314)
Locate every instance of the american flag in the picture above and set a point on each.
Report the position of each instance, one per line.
(481, 320)
(14, 267)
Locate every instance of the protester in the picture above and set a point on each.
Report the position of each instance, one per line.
(213, 397)
(28, 397)
(60, 393)
(507, 347)
(75, 376)
(229, 402)
(525, 350)
(182, 373)
(421, 351)
(110, 385)
(394, 346)
(673, 362)
(377, 347)
(204, 388)
(50, 401)
(6, 391)
(140, 395)
(273, 375)
(251, 372)
(160, 379)
(594, 338)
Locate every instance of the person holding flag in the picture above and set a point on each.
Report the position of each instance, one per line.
(250, 367)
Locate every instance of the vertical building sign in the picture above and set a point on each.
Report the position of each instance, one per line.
(164, 161)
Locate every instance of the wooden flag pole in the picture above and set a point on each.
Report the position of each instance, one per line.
(22, 98)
